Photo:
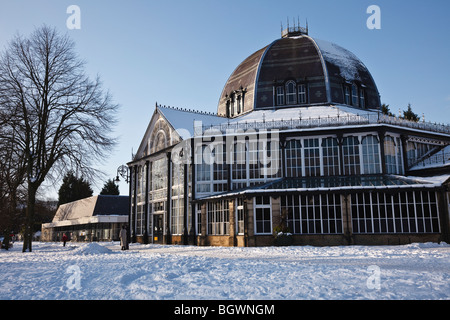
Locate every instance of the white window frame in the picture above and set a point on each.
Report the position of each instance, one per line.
(262, 206)
(279, 90)
(302, 94)
(291, 96)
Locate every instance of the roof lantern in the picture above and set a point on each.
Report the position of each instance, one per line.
(295, 31)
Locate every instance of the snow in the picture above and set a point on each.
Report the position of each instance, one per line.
(91, 248)
(347, 62)
(439, 159)
(313, 112)
(183, 120)
(415, 271)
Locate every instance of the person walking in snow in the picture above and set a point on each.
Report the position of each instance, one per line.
(123, 238)
(64, 239)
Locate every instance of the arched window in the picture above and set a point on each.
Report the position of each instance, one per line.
(291, 92)
(393, 155)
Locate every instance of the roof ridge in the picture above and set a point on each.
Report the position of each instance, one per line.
(190, 110)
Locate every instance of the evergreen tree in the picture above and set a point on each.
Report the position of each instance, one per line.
(410, 115)
(73, 189)
(385, 110)
(110, 188)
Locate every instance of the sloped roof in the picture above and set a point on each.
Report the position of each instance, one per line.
(100, 205)
(440, 159)
(334, 183)
(182, 120)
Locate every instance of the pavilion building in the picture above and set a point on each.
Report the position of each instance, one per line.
(298, 145)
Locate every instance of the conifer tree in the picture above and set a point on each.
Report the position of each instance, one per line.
(110, 188)
(410, 115)
(73, 189)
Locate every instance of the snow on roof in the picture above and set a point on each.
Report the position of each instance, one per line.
(435, 180)
(335, 183)
(440, 159)
(92, 206)
(182, 120)
(313, 112)
(347, 62)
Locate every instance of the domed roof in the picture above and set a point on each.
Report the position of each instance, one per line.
(298, 71)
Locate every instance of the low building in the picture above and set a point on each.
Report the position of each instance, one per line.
(97, 218)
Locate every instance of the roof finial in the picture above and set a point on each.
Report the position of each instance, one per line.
(294, 31)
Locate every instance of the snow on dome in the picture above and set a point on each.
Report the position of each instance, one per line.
(298, 71)
(348, 63)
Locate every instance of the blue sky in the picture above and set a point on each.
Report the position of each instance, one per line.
(180, 53)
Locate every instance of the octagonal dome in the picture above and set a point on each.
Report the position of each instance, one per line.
(297, 71)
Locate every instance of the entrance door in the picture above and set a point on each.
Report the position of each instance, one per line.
(157, 228)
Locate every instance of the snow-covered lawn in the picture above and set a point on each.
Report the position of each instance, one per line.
(103, 271)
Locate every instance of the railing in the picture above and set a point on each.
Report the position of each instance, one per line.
(295, 29)
(321, 122)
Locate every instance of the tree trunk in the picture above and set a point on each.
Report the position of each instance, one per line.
(29, 222)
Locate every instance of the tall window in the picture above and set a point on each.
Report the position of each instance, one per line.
(240, 216)
(347, 95)
(330, 157)
(254, 164)
(354, 95)
(362, 98)
(198, 218)
(312, 157)
(263, 215)
(411, 153)
(400, 169)
(177, 198)
(228, 109)
(350, 150)
(233, 105)
(220, 168)
(291, 92)
(371, 155)
(238, 105)
(141, 186)
(202, 169)
(293, 154)
(302, 97)
(390, 154)
(239, 166)
(218, 218)
(280, 96)
(177, 215)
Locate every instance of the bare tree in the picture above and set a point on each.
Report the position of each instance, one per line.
(62, 119)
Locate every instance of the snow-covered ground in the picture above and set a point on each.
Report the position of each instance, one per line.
(103, 271)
